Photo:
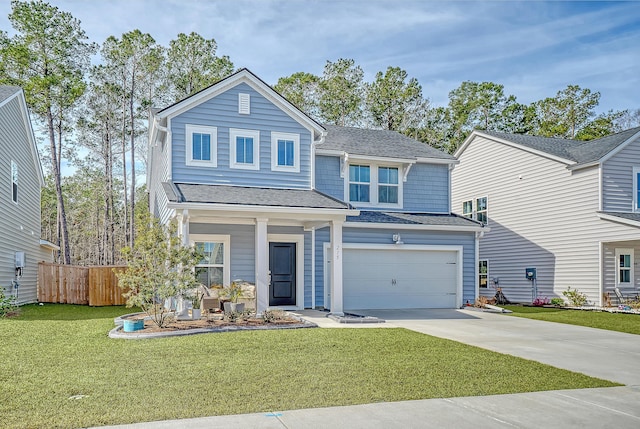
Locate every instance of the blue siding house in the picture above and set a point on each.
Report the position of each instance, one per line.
(317, 216)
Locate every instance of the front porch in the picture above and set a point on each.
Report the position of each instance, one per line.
(620, 268)
(265, 243)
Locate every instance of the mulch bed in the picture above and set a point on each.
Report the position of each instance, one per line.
(182, 325)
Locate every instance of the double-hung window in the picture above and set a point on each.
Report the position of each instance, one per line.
(636, 189)
(483, 273)
(201, 145)
(14, 181)
(213, 269)
(285, 152)
(624, 267)
(388, 185)
(481, 210)
(244, 149)
(467, 209)
(359, 183)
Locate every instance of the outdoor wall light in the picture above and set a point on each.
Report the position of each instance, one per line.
(397, 239)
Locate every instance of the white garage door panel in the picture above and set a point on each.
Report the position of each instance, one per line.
(381, 278)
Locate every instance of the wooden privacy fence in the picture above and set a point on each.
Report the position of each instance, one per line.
(71, 284)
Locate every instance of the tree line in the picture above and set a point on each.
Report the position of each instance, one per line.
(96, 116)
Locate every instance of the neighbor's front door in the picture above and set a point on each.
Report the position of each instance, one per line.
(282, 264)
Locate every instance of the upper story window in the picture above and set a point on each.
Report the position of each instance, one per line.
(14, 181)
(285, 152)
(467, 209)
(359, 183)
(244, 149)
(388, 185)
(202, 145)
(636, 189)
(477, 212)
(374, 185)
(481, 210)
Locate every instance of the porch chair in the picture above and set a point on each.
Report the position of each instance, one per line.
(624, 299)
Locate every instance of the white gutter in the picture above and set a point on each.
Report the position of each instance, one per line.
(422, 227)
(263, 209)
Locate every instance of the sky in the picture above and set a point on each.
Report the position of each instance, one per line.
(533, 48)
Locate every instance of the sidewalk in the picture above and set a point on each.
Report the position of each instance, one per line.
(615, 407)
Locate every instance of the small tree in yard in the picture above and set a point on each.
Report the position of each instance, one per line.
(158, 268)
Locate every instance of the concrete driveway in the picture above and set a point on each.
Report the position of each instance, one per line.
(599, 353)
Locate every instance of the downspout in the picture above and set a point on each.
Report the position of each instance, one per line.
(313, 267)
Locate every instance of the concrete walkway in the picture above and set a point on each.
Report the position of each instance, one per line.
(605, 354)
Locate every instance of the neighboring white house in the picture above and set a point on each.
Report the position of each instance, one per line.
(570, 209)
(20, 245)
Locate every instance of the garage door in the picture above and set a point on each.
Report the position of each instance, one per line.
(395, 278)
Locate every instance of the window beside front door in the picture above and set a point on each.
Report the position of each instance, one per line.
(214, 267)
(483, 273)
(624, 267)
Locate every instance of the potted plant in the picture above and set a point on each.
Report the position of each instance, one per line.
(230, 295)
(196, 310)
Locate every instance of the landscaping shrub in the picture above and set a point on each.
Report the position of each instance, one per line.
(8, 304)
(557, 301)
(575, 297)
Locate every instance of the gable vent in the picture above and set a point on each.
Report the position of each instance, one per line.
(244, 104)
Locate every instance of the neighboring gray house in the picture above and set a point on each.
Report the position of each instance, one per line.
(21, 173)
(570, 209)
(316, 216)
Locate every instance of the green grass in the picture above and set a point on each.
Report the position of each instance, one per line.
(53, 352)
(621, 322)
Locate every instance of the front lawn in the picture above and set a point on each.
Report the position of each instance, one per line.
(58, 368)
(621, 322)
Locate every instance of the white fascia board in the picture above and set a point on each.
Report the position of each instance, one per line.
(329, 152)
(617, 219)
(401, 226)
(380, 159)
(620, 147)
(437, 161)
(244, 76)
(542, 154)
(240, 208)
(582, 166)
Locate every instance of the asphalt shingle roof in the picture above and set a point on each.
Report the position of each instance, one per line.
(236, 195)
(412, 218)
(378, 143)
(7, 91)
(581, 152)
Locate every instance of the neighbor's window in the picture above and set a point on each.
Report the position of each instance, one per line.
(245, 148)
(483, 273)
(359, 183)
(213, 268)
(14, 181)
(624, 261)
(285, 152)
(201, 145)
(467, 209)
(387, 185)
(481, 210)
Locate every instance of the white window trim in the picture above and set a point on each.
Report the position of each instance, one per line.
(468, 215)
(214, 238)
(634, 199)
(487, 274)
(188, 138)
(237, 132)
(11, 182)
(373, 185)
(618, 253)
(295, 168)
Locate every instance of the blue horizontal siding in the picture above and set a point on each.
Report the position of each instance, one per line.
(222, 112)
(328, 178)
(427, 189)
(384, 236)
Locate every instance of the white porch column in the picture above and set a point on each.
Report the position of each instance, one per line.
(262, 266)
(183, 227)
(336, 267)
